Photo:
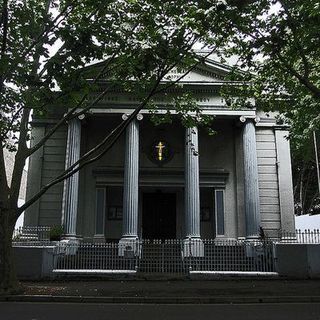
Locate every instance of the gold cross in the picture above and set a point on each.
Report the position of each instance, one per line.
(160, 146)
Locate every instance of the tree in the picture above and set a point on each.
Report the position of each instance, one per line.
(276, 42)
(44, 48)
(305, 180)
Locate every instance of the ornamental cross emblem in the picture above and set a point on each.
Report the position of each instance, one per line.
(160, 152)
(160, 146)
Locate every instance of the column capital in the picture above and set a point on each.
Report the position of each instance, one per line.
(80, 117)
(255, 119)
(125, 116)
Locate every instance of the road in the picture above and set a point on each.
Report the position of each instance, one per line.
(74, 311)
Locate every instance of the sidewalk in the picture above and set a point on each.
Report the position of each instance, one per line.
(187, 291)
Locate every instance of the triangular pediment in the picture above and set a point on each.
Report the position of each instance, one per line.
(206, 72)
(198, 75)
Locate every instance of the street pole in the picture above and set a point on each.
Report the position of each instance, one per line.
(317, 159)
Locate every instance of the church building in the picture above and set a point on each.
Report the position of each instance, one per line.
(167, 181)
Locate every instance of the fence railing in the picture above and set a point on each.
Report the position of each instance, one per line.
(301, 236)
(31, 235)
(97, 257)
(170, 256)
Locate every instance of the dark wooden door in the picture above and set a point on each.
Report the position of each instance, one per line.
(159, 216)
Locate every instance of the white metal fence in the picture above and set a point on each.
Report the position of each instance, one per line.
(170, 256)
(31, 235)
(301, 236)
(97, 257)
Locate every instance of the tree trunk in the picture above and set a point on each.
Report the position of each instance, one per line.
(8, 279)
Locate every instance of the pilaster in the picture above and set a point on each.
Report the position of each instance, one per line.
(285, 181)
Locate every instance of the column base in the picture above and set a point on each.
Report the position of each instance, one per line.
(288, 239)
(222, 241)
(253, 238)
(129, 247)
(193, 247)
(69, 244)
(99, 238)
(253, 247)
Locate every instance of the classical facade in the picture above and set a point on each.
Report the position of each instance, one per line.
(166, 181)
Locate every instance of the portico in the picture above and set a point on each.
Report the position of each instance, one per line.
(176, 186)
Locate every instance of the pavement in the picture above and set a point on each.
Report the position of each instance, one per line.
(106, 311)
(170, 291)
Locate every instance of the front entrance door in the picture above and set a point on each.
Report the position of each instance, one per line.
(159, 216)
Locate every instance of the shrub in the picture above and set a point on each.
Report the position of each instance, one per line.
(56, 232)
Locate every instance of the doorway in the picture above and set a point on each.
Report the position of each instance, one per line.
(159, 216)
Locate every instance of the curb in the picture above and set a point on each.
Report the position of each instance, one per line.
(163, 300)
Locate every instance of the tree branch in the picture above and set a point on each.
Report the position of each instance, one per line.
(183, 75)
(44, 67)
(4, 22)
(20, 158)
(41, 36)
(70, 113)
(51, 27)
(3, 178)
(304, 81)
(9, 127)
(296, 39)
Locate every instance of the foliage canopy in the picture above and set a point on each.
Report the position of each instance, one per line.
(277, 42)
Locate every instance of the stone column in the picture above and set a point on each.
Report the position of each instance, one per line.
(193, 246)
(129, 239)
(71, 185)
(251, 181)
